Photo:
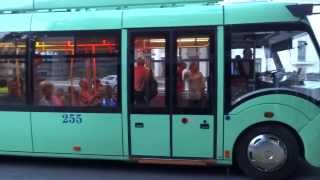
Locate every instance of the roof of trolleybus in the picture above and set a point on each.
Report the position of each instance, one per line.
(37, 15)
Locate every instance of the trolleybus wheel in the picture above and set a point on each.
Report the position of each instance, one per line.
(268, 152)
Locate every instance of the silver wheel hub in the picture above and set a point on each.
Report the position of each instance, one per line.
(267, 153)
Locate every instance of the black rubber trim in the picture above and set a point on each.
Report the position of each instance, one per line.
(272, 91)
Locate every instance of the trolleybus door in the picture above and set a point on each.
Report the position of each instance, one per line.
(171, 82)
(148, 100)
(193, 118)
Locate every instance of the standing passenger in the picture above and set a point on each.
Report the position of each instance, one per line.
(140, 80)
(196, 85)
(180, 82)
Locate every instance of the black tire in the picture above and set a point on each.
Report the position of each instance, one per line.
(288, 139)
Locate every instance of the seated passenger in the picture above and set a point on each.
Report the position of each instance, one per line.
(73, 97)
(58, 98)
(47, 90)
(104, 97)
(109, 100)
(86, 98)
(14, 95)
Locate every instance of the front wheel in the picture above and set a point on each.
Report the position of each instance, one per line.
(268, 152)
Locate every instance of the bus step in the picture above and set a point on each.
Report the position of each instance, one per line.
(182, 162)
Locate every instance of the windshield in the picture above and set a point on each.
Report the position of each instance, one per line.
(285, 59)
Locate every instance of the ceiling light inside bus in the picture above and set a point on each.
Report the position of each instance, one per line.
(157, 40)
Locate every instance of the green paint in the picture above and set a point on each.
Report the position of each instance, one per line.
(15, 131)
(189, 140)
(298, 103)
(47, 4)
(16, 4)
(287, 109)
(153, 139)
(21, 22)
(63, 155)
(98, 134)
(60, 21)
(220, 93)
(105, 136)
(257, 13)
(172, 17)
(124, 91)
(310, 137)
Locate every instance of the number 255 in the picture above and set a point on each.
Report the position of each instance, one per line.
(72, 118)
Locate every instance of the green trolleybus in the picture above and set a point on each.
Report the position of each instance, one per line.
(186, 82)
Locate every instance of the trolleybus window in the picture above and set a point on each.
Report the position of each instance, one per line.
(264, 60)
(149, 72)
(193, 71)
(77, 72)
(12, 65)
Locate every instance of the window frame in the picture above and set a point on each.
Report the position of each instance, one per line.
(23, 107)
(75, 34)
(287, 26)
(171, 57)
(212, 61)
(143, 33)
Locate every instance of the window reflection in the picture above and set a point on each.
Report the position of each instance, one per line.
(12, 82)
(12, 65)
(12, 44)
(274, 60)
(63, 78)
(149, 72)
(192, 72)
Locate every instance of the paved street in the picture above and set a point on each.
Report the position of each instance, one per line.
(59, 169)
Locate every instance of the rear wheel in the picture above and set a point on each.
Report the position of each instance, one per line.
(269, 151)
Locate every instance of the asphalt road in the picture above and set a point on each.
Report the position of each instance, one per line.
(66, 169)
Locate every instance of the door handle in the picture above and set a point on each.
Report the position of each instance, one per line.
(204, 125)
(138, 125)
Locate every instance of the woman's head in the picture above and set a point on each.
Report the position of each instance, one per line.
(84, 84)
(194, 67)
(140, 62)
(47, 89)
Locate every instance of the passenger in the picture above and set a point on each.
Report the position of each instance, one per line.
(247, 64)
(196, 83)
(151, 85)
(97, 85)
(86, 98)
(180, 77)
(58, 99)
(110, 101)
(15, 87)
(73, 97)
(13, 97)
(104, 97)
(115, 94)
(140, 80)
(47, 90)
(181, 66)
